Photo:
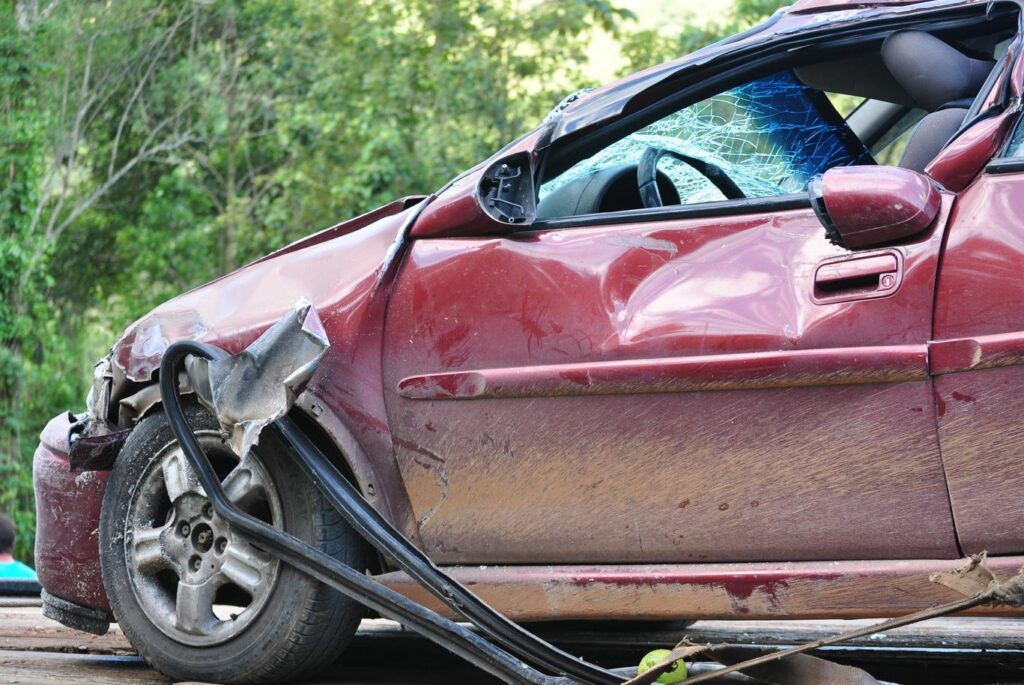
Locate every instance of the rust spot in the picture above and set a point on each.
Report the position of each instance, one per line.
(962, 397)
(684, 503)
(723, 506)
(917, 410)
(754, 504)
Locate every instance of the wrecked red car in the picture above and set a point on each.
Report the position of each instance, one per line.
(699, 346)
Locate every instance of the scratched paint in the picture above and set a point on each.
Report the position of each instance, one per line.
(853, 589)
(579, 442)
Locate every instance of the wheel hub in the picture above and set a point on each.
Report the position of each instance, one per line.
(200, 541)
(196, 580)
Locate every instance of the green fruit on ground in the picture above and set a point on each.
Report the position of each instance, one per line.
(676, 674)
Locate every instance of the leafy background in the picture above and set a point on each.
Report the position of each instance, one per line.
(147, 146)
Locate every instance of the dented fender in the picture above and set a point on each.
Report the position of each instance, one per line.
(345, 275)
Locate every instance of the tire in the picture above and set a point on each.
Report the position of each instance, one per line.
(165, 556)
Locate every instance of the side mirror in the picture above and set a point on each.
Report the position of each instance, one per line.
(868, 206)
(492, 200)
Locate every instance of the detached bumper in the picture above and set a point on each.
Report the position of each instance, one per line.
(67, 522)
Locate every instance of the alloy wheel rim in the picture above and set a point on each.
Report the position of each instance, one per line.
(198, 581)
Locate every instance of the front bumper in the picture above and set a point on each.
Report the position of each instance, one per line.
(67, 522)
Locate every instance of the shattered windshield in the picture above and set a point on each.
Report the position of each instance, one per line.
(770, 136)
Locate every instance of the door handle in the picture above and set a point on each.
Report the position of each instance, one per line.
(868, 277)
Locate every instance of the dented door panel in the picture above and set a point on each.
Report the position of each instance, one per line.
(668, 389)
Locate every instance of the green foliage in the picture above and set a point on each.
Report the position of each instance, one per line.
(652, 46)
(21, 125)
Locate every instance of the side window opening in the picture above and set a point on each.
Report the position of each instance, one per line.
(769, 136)
(889, 149)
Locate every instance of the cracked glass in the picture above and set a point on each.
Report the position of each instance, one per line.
(1016, 147)
(770, 136)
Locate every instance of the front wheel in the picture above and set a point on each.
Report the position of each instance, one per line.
(199, 601)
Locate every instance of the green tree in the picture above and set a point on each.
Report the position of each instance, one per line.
(652, 46)
(18, 156)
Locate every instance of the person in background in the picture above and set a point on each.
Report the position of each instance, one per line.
(9, 567)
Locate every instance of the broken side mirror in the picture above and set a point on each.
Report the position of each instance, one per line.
(868, 206)
(493, 200)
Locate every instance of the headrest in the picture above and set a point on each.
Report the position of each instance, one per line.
(933, 72)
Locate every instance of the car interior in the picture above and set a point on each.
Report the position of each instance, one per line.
(899, 101)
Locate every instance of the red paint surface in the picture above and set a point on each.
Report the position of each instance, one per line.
(981, 352)
(798, 368)
(67, 521)
(519, 322)
(979, 349)
(854, 589)
(876, 205)
(350, 226)
(343, 278)
(963, 159)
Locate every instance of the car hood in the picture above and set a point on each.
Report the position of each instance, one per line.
(332, 269)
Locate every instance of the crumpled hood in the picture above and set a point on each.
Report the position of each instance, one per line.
(332, 269)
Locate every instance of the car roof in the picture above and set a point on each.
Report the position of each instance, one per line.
(611, 100)
(809, 6)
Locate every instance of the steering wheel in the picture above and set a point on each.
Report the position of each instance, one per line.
(647, 175)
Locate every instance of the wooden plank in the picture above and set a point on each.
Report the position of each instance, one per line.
(37, 651)
(25, 628)
(49, 668)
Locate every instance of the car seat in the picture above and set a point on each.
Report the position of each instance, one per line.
(939, 79)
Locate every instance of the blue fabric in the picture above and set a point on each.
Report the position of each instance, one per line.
(16, 570)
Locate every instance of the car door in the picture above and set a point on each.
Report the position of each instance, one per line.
(978, 354)
(712, 381)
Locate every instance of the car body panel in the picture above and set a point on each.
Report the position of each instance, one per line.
(980, 317)
(559, 348)
(67, 521)
(345, 278)
(964, 158)
(813, 589)
(349, 226)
